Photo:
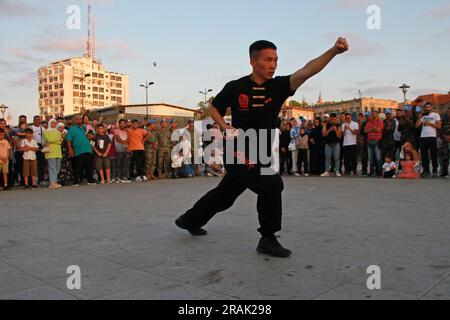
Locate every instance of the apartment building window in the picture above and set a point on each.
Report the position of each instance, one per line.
(61, 101)
(101, 97)
(60, 85)
(76, 86)
(95, 89)
(95, 96)
(101, 75)
(61, 93)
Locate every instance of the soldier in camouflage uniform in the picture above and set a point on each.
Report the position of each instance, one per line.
(151, 149)
(164, 150)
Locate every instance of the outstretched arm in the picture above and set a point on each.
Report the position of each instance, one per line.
(315, 66)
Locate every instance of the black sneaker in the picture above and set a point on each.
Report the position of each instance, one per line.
(272, 247)
(34, 186)
(194, 232)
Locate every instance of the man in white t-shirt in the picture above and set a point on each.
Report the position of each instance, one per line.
(351, 130)
(38, 136)
(430, 122)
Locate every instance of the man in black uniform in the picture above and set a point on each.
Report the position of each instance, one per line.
(255, 103)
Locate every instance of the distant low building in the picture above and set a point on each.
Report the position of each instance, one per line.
(156, 111)
(355, 106)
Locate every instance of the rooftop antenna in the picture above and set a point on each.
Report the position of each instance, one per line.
(90, 43)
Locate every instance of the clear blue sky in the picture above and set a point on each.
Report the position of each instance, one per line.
(200, 43)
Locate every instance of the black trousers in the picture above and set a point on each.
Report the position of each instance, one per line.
(41, 164)
(428, 146)
(350, 159)
(269, 204)
(286, 162)
(83, 163)
(302, 160)
(138, 160)
(18, 168)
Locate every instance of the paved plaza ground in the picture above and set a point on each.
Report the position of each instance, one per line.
(125, 242)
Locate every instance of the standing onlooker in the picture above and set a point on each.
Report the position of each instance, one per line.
(303, 146)
(80, 150)
(164, 150)
(397, 134)
(430, 123)
(65, 176)
(151, 150)
(374, 130)
(351, 130)
(53, 141)
(122, 156)
(332, 134)
(87, 122)
(102, 148)
(136, 138)
(112, 153)
(387, 139)
(362, 142)
(38, 136)
(16, 137)
(317, 157)
(445, 150)
(295, 133)
(5, 152)
(285, 154)
(29, 147)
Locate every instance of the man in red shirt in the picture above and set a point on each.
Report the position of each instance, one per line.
(374, 130)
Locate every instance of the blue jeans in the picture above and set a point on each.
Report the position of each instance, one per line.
(54, 166)
(374, 157)
(335, 152)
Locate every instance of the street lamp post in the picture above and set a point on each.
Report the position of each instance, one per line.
(405, 89)
(146, 86)
(205, 93)
(3, 109)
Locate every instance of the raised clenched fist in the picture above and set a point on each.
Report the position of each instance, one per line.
(341, 45)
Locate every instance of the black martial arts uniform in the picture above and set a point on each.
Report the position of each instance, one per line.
(256, 107)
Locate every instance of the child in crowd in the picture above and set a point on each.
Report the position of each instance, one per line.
(102, 147)
(5, 152)
(408, 166)
(303, 146)
(29, 147)
(389, 168)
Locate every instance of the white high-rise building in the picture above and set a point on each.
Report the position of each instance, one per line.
(77, 84)
(68, 86)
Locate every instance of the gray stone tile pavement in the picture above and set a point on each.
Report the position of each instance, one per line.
(124, 240)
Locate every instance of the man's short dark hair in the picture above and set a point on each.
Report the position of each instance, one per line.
(348, 114)
(2, 130)
(28, 130)
(260, 45)
(23, 116)
(122, 120)
(100, 125)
